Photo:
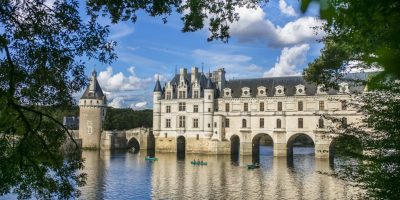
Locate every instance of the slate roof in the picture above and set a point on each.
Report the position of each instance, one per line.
(289, 83)
(203, 79)
(98, 92)
(157, 88)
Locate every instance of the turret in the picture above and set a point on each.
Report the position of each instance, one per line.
(92, 112)
(209, 91)
(157, 108)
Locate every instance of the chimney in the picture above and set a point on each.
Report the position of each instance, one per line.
(195, 74)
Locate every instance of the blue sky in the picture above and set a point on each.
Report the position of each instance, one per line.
(275, 40)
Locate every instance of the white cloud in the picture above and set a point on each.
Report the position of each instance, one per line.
(139, 105)
(120, 30)
(289, 59)
(117, 102)
(253, 26)
(119, 82)
(286, 9)
(125, 90)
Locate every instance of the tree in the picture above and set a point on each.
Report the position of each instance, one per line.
(196, 13)
(374, 143)
(43, 47)
(42, 50)
(365, 35)
(359, 35)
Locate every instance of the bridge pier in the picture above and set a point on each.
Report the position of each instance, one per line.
(246, 148)
(322, 151)
(280, 146)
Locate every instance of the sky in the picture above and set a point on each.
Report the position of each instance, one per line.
(273, 40)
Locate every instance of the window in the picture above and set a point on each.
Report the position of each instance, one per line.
(181, 121)
(344, 121)
(195, 108)
(195, 123)
(209, 97)
(182, 106)
(344, 105)
(215, 124)
(226, 107)
(321, 123)
(226, 123)
(300, 123)
(168, 109)
(245, 107)
(182, 94)
(209, 125)
(300, 106)
(167, 123)
(168, 96)
(196, 94)
(261, 122)
(279, 106)
(261, 106)
(89, 130)
(278, 123)
(209, 109)
(321, 105)
(244, 123)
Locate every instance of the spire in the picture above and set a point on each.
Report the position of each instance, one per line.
(209, 84)
(93, 91)
(157, 88)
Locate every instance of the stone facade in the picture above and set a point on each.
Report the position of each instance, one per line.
(207, 111)
(92, 111)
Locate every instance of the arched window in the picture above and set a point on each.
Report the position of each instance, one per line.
(244, 123)
(321, 123)
(278, 123)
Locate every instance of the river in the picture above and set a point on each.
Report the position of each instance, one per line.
(124, 175)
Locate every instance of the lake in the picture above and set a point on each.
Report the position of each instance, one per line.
(124, 175)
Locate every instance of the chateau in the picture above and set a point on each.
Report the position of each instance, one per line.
(205, 113)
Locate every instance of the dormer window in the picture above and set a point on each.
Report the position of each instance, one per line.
(262, 91)
(344, 88)
(300, 90)
(227, 92)
(321, 89)
(246, 92)
(279, 90)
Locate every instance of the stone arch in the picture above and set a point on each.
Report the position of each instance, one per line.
(133, 145)
(255, 142)
(345, 143)
(292, 140)
(180, 145)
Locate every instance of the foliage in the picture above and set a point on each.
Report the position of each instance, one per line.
(378, 166)
(42, 50)
(195, 13)
(359, 35)
(124, 119)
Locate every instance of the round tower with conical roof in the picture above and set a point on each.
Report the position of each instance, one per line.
(157, 108)
(92, 112)
(209, 92)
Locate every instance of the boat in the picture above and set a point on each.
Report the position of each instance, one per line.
(150, 158)
(198, 163)
(253, 166)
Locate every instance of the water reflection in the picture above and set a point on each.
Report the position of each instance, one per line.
(122, 175)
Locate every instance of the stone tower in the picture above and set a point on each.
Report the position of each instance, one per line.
(92, 111)
(157, 108)
(208, 108)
